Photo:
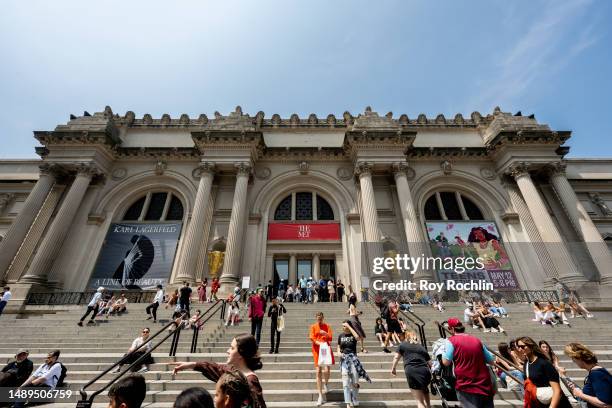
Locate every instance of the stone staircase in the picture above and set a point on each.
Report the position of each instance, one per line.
(287, 378)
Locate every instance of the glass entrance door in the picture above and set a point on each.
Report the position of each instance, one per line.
(281, 274)
(328, 269)
(304, 269)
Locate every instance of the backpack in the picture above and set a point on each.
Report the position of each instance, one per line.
(62, 377)
(385, 312)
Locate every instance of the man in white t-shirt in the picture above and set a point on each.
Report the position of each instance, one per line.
(120, 305)
(6, 296)
(158, 300)
(93, 306)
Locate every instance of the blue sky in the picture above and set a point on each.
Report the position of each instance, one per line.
(552, 58)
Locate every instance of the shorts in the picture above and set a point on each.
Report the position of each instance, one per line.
(418, 377)
(393, 326)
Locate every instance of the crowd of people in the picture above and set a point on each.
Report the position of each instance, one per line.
(530, 368)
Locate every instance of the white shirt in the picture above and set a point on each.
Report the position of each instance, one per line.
(51, 374)
(95, 299)
(159, 296)
(138, 342)
(467, 315)
(6, 297)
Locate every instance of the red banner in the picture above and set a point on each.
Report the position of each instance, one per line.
(304, 232)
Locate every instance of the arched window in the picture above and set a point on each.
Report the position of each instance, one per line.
(303, 206)
(158, 206)
(452, 206)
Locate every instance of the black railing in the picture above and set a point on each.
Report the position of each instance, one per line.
(412, 317)
(443, 333)
(81, 298)
(510, 296)
(86, 402)
(173, 328)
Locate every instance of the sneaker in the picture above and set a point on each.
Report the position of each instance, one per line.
(501, 330)
(116, 370)
(475, 326)
(143, 370)
(325, 389)
(487, 331)
(321, 400)
(80, 324)
(355, 403)
(493, 330)
(386, 350)
(589, 315)
(149, 318)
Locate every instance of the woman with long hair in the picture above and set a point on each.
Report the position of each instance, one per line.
(354, 320)
(416, 367)
(597, 389)
(542, 388)
(242, 356)
(351, 368)
(550, 354)
(511, 366)
(321, 335)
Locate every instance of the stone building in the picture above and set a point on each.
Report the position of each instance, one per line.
(281, 198)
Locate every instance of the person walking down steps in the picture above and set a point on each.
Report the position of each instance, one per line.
(92, 306)
(276, 313)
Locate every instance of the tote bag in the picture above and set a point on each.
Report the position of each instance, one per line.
(325, 358)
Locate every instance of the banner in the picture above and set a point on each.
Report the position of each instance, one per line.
(328, 231)
(475, 240)
(136, 256)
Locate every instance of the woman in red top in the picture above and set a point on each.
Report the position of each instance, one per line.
(321, 333)
(242, 356)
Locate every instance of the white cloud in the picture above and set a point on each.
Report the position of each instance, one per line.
(546, 46)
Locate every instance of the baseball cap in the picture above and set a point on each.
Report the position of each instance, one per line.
(21, 351)
(454, 322)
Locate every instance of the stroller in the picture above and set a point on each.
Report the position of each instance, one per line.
(442, 377)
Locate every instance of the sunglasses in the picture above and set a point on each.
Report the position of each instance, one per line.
(145, 331)
(522, 346)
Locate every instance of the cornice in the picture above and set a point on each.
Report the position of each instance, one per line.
(148, 153)
(425, 153)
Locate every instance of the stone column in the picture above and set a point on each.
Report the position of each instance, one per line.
(233, 249)
(19, 228)
(54, 238)
(545, 225)
(368, 202)
(582, 223)
(316, 267)
(414, 237)
(292, 269)
(196, 228)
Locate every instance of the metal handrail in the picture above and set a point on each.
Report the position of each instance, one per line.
(198, 322)
(410, 315)
(79, 298)
(85, 402)
(444, 330)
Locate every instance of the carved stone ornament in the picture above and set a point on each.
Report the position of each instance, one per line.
(344, 173)
(263, 173)
(405, 169)
(446, 166)
(205, 167)
(160, 167)
(601, 204)
(242, 169)
(5, 199)
(86, 169)
(303, 167)
(363, 168)
(518, 170)
(488, 173)
(119, 173)
(556, 169)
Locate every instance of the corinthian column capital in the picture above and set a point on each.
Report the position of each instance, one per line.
(518, 170)
(402, 169)
(206, 168)
(556, 169)
(87, 169)
(243, 169)
(363, 169)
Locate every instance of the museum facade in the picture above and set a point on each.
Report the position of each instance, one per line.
(126, 202)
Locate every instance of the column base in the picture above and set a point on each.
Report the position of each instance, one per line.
(228, 283)
(573, 280)
(20, 292)
(606, 280)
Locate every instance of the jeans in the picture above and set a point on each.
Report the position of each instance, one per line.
(513, 385)
(349, 377)
(256, 323)
(469, 400)
(309, 294)
(2, 305)
(152, 309)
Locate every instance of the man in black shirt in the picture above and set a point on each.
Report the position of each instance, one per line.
(184, 296)
(269, 291)
(275, 311)
(16, 372)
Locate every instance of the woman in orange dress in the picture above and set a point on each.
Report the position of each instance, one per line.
(321, 333)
